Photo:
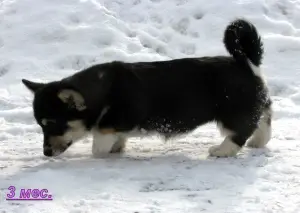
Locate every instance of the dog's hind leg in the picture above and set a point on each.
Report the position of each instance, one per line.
(262, 134)
(236, 131)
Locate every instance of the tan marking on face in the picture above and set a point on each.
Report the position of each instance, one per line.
(58, 142)
(75, 132)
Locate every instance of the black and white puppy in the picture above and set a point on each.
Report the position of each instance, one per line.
(173, 97)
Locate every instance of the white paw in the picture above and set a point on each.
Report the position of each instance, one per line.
(102, 144)
(99, 154)
(256, 143)
(226, 149)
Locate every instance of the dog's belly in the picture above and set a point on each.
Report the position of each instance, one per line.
(167, 125)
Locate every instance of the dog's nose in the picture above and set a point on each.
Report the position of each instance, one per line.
(48, 152)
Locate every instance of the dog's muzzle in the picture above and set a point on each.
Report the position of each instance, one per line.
(50, 152)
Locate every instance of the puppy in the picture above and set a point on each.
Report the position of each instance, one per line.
(173, 97)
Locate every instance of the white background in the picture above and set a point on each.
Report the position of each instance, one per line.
(46, 40)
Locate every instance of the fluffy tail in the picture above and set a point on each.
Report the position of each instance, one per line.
(243, 42)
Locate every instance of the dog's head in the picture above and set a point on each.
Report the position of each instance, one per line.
(60, 112)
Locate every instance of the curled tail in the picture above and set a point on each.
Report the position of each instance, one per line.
(243, 42)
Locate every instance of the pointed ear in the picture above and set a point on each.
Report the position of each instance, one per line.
(32, 86)
(72, 98)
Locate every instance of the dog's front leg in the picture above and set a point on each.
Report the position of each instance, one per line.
(103, 142)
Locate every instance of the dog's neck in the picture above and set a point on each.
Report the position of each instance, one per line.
(94, 84)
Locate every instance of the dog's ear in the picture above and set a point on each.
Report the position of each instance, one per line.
(72, 98)
(32, 86)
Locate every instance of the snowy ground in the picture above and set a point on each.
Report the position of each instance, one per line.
(49, 39)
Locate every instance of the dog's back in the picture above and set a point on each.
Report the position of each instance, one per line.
(193, 91)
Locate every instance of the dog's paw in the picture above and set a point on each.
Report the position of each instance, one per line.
(118, 147)
(254, 143)
(226, 149)
(103, 144)
(259, 139)
(218, 151)
(100, 154)
(99, 151)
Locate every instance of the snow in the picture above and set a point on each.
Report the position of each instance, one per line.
(46, 40)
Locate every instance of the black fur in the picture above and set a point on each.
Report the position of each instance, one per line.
(170, 97)
(243, 42)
